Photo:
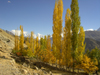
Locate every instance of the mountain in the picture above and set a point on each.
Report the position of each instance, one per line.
(92, 39)
(91, 44)
(98, 29)
(7, 40)
(9, 32)
(93, 35)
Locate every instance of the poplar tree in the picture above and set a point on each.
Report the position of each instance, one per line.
(34, 46)
(37, 49)
(60, 20)
(42, 49)
(66, 52)
(88, 65)
(81, 45)
(57, 29)
(31, 42)
(21, 39)
(48, 49)
(30, 46)
(54, 28)
(16, 40)
(75, 28)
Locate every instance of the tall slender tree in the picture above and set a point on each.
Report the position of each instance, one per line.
(60, 20)
(17, 41)
(75, 27)
(81, 45)
(31, 42)
(67, 38)
(54, 35)
(21, 39)
(37, 49)
(57, 29)
(48, 49)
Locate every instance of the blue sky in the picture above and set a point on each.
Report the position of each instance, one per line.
(37, 15)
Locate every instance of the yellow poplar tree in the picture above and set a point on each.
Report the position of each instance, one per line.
(30, 46)
(57, 29)
(59, 37)
(54, 35)
(88, 65)
(31, 42)
(66, 52)
(16, 41)
(37, 49)
(34, 47)
(27, 41)
(48, 49)
(21, 39)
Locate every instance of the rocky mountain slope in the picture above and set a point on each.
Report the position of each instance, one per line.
(7, 40)
(92, 39)
(93, 35)
(91, 43)
(11, 64)
(8, 65)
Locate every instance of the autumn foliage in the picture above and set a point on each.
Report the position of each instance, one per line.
(68, 51)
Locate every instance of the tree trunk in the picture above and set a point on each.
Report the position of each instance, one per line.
(73, 64)
(59, 63)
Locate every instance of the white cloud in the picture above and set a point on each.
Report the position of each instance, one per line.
(18, 32)
(9, 1)
(90, 30)
(62, 34)
(27, 34)
(34, 35)
(40, 35)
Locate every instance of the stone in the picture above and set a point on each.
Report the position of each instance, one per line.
(50, 73)
(37, 68)
(24, 64)
(24, 71)
(8, 40)
(0, 30)
(27, 61)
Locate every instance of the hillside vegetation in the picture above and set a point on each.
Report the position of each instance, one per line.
(67, 53)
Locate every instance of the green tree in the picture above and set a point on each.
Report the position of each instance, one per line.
(75, 27)
(95, 54)
(30, 46)
(81, 46)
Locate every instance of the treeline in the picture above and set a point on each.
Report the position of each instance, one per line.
(68, 52)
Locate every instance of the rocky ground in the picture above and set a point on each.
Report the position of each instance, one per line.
(8, 65)
(11, 64)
